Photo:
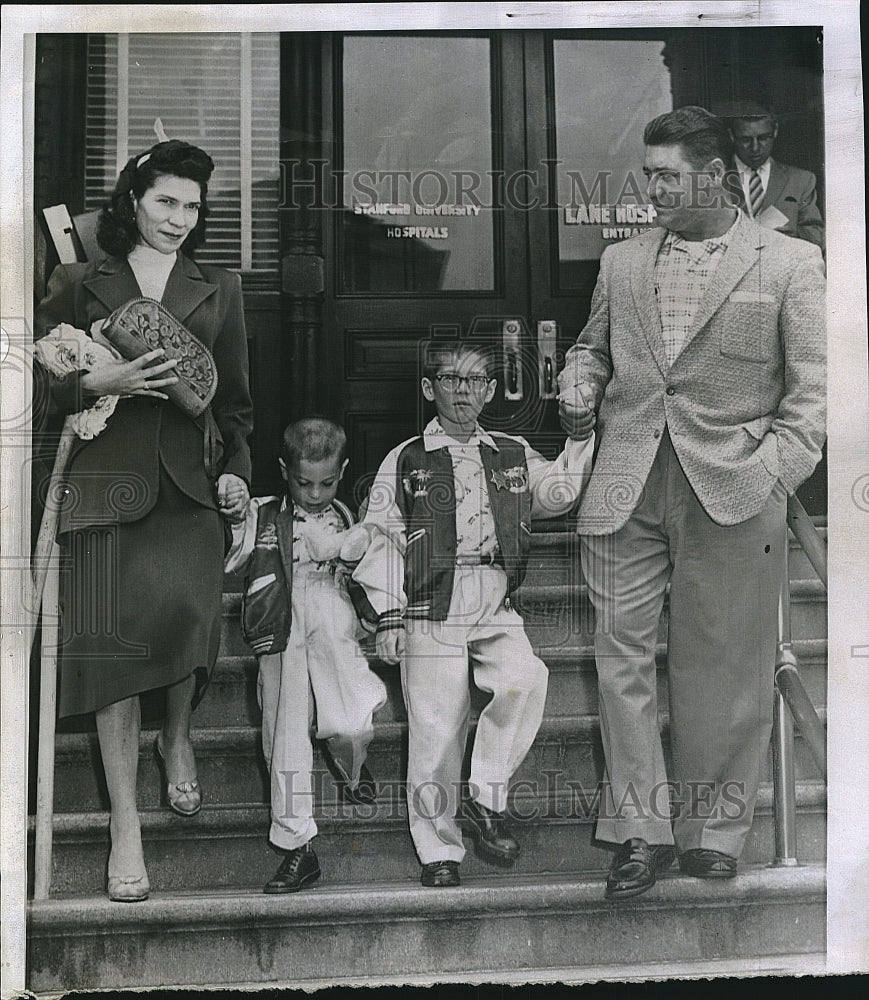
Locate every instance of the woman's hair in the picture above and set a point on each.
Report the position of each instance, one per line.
(313, 439)
(117, 233)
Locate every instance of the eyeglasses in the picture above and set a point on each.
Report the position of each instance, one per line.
(451, 382)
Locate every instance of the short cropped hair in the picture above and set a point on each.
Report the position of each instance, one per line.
(117, 232)
(745, 111)
(701, 135)
(438, 353)
(313, 439)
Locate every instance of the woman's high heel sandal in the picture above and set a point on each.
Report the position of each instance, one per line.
(185, 798)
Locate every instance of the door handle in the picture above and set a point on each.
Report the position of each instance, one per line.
(512, 381)
(547, 346)
(511, 337)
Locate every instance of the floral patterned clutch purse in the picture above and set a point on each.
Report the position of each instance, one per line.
(142, 325)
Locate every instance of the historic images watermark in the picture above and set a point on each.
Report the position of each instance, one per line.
(553, 795)
(603, 198)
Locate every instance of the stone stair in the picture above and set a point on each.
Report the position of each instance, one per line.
(208, 923)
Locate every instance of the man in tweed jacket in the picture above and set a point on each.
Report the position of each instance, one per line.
(703, 361)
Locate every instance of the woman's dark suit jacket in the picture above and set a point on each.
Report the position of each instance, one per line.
(115, 476)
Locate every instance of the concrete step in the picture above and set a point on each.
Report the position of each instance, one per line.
(560, 616)
(555, 559)
(231, 768)
(226, 846)
(231, 698)
(555, 556)
(495, 924)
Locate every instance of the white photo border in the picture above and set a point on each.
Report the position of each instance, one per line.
(848, 422)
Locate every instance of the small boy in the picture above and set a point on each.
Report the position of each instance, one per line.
(297, 551)
(453, 510)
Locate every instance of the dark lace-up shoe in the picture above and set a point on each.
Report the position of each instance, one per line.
(298, 869)
(440, 874)
(491, 832)
(635, 866)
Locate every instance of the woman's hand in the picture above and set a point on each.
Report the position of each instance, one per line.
(232, 496)
(131, 378)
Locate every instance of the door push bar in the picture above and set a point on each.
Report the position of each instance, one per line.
(511, 336)
(547, 333)
(547, 337)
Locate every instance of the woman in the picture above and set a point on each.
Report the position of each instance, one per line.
(140, 528)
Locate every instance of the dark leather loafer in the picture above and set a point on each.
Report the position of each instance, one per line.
(365, 792)
(635, 866)
(440, 874)
(704, 863)
(299, 868)
(491, 832)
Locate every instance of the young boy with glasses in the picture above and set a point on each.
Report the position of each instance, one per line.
(453, 509)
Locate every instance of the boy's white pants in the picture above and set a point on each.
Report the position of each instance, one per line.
(481, 637)
(322, 675)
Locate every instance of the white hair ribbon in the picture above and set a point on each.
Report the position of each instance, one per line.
(161, 137)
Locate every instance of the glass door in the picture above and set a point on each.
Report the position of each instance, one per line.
(430, 236)
(479, 178)
(476, 178)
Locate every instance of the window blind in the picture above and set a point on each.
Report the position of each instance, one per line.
(217, 90)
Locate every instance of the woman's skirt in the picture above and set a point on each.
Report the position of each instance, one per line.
(141, 603)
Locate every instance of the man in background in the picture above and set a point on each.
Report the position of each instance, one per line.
(775, 194)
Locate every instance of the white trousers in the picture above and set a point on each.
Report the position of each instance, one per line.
(481, 639)
(322, 678)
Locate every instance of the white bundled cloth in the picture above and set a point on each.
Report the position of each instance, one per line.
(343, 551)
(67, 350)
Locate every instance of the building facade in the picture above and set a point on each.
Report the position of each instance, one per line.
(374, 189)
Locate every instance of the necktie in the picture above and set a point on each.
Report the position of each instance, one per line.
(755, 192)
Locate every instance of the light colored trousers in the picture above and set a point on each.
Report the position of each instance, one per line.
(322, 675)
(483, 639)
(724, 589)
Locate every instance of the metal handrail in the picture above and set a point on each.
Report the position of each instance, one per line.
(45, 599)
(791, 703)
(47, 708)
(808, 536)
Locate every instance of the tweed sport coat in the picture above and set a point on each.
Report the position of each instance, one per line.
(745, 400)
(115, 476)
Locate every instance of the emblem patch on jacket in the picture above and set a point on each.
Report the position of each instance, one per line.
(416, 482)
(267, 538)
(515, 480)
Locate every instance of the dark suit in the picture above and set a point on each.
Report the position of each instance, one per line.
(792, 191)
(115, 476)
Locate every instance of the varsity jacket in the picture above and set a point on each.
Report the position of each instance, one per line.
(410, 566)
(267, 605)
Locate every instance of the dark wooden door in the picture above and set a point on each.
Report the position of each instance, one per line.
(467, 184)
(430, 239)
(469, 168)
